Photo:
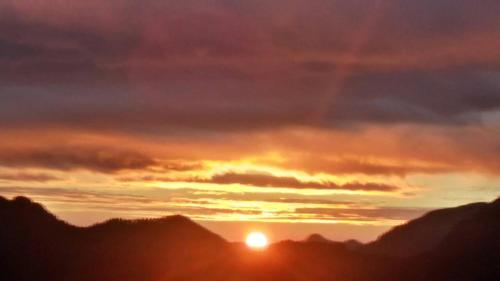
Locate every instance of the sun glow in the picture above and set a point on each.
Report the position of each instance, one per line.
(256, 240)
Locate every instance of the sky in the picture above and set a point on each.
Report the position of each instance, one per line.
(344, 118)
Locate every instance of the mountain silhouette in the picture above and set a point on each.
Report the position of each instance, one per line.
(470, 251)
(35, 245)
(422, 234)
(316, 237)
(350, 244)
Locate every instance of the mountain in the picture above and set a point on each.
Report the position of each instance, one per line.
(470, 251)
(349, 244)
(315, 237)
(422, 234)
(35, 245)
(353, 244)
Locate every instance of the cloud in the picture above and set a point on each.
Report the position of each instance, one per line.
(115, 204)
(63, 195)
(375, 92)
(98, 159)
(390, 213)
(307, 201)
(222, 66)
(28, 177)
(264, 197)
(180, 166)
(342, 166)
(269, 180)
(258, 179)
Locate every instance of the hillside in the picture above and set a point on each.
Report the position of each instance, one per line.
(422, 234)
(471, 251)
(35, 245)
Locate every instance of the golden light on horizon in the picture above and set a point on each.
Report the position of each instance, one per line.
(256, 240)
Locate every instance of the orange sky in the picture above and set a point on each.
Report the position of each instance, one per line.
(344, 118)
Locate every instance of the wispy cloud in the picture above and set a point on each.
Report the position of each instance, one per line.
(269, 180)
(102, 159)
(27, 177)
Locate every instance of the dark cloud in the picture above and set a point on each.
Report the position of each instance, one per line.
(268, 180)
(427, 97)
(221, 65)
(181, 166)
(99, 159)
(315, 164)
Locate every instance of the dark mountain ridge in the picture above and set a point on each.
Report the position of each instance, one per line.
(451, 244)
(422, 234)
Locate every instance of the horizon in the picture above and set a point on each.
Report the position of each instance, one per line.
(242, 229)
(344, 118)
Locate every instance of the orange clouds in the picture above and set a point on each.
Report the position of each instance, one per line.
(394, 151)
(268, 103)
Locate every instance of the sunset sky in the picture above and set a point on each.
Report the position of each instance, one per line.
(339, 117)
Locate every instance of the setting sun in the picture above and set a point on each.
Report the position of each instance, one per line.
(256, 240)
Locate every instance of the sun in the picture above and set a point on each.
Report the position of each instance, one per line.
(256, 240)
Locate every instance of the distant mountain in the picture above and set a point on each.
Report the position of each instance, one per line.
(318, 238)
(349, 244)
(34, 245)
(353, 244)
(422, 234)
